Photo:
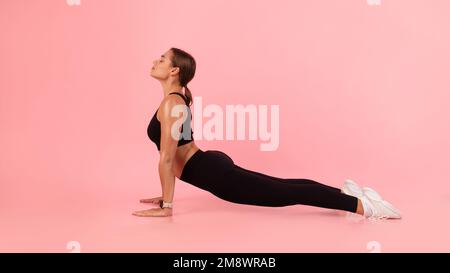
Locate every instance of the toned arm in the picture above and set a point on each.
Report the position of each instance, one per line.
(170, 133)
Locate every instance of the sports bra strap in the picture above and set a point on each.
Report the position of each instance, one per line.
(185, 100)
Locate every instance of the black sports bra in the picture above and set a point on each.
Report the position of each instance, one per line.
(154, 128)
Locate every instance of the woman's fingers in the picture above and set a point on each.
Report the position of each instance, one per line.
(138, 213)
(149, 213)
(151, 200)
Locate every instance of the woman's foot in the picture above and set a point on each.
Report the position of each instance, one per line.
(351, 188)
(370, 204)
(375, 207)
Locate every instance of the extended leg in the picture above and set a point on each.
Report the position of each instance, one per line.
(288, 180)
(247, 187)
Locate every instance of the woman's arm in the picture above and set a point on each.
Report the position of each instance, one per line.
(170, 134)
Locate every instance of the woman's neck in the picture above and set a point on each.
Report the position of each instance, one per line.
(169, 88)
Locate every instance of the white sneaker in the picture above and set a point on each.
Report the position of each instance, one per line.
(381, 209)
(351, 188)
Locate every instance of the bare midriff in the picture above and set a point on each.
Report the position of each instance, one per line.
(182, 155)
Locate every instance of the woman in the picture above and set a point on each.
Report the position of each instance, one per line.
(215, 171)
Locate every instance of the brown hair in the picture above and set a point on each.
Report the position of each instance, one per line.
(186, 63)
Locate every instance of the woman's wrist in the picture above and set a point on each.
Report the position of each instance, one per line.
(163, 204)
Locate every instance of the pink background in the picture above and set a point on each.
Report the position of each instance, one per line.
(363, 94)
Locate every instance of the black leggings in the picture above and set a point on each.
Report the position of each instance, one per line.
(215, 172)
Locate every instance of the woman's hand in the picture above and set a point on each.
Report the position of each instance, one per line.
(154, 200)
(157, 212)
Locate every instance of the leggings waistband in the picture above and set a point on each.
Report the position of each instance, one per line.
(194, 158)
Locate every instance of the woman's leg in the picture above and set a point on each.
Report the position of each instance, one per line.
(289, 180)
(215, 171)
(243, 186)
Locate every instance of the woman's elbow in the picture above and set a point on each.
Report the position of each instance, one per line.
(166, 159)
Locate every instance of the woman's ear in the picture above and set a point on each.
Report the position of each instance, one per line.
(175, 70)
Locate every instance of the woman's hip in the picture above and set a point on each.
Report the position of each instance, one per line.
(208, 164)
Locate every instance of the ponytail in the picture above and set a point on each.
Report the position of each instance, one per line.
(188, 95)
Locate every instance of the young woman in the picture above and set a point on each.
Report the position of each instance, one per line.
(215, 171)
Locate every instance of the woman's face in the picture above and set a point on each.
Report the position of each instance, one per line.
(162, 67)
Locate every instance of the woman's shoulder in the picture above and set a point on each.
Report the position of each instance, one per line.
(167, 105)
